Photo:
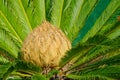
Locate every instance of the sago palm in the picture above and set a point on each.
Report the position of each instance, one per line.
(35, 38)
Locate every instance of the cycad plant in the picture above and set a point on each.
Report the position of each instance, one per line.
(60, 39)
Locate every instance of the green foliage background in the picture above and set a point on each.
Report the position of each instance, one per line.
(93, 27)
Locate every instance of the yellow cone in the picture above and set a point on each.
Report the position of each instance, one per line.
(45, 46)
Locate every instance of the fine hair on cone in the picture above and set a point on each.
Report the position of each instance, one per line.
(45, 46)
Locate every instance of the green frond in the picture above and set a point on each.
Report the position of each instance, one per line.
(96, 19)
(71, 16)
(66, 4)
(56, 14)
(24, 67)
(39, 11)
(105, 61)
(16, 15)
(112, 7)
(92, 54)
(113, 60)
(35, 10)
(109, 71)
(48, 9)
(3, 60)
(39, 77)
(115, 33)
(88, 77)
(86, 9)
(7, 44)
(111, 23)
(75, 53)
(4, 24)
(93, 27)
(3, 69)
(113, 53)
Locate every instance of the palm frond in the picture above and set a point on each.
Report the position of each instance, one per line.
(93, 27)
(15, 14)
(111, 23)
(3, 60)
(85, 12)
(115, 33)
(108, 71)
(24, 67)
(57, 7)
(4, 24)
(75, 53)
(7, 44)
(39, 77)
(95, 21)
(3, 69)
(35, 10)
(71, 14)
(100, 63)
(102, 19)
(89, 77)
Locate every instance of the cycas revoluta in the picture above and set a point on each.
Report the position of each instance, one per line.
(45, 46)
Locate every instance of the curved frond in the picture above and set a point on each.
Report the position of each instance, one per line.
(7, 44)
(57, 7)
(35, 10)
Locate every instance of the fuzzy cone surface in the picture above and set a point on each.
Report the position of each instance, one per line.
(45, 46)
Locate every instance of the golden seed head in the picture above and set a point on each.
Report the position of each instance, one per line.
(45, 46)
